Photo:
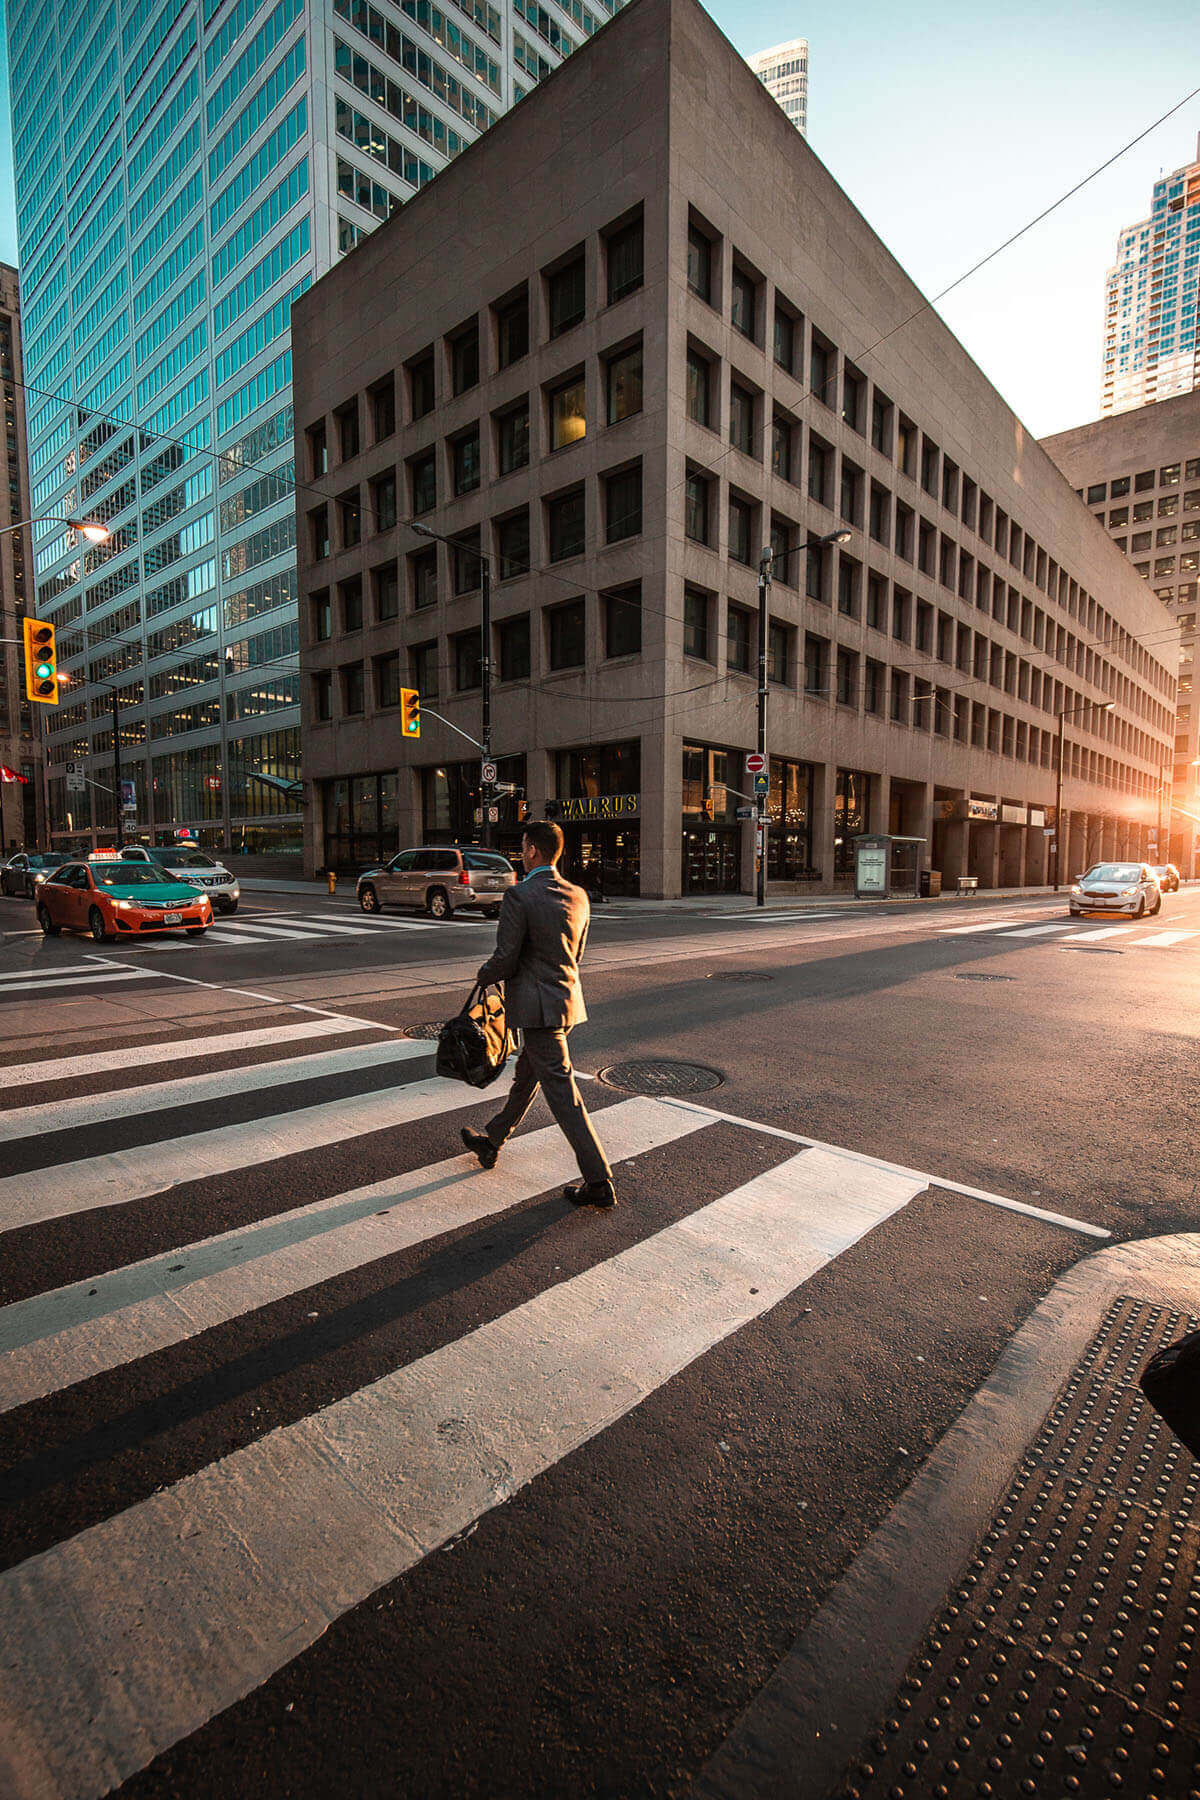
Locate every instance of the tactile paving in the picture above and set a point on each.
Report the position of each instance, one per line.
(1064, 1662)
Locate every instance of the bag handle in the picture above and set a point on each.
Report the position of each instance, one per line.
(480, 989)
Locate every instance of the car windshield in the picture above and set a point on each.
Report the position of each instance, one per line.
(184, 859)
(1114, 872)
(131, 875)
(479, 859)
(41, 862)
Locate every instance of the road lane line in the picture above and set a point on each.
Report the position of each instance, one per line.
(926, 1178)
(197, 1090)
(1106, 931)
(966, 930)
(137, 1631)
(1161, 939)
(60, 1190)
(74, 1068)
(97, 978)
(55, 1339)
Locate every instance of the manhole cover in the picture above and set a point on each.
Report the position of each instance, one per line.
(432, 1030)
(660, 1077)
(741, 975)
(985, 977)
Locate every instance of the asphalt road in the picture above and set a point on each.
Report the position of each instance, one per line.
(418, 1481)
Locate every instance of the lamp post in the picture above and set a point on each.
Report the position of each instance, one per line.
(766, 567)
(485, 669)
(91, 529)
(1069, 713)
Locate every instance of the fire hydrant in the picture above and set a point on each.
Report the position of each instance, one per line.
(332, 879)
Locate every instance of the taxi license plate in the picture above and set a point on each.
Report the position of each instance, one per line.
(172, 918)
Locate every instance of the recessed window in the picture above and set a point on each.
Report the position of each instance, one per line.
(739, 636)
(779, 653)
(566, 296)
(625, 261)
(568, 412)
(741, 531)
(350, 602)
(387, 680)
(512, 330)
(512, 544)
(422, 576)
(820, 469)
(743, 303)
(464, 358)
(623, 384)
(695, 508)
(465, 562)
(816, 666)
(385, 584)
(318, 525)
(741, 418)
(881, 423)
(383, 501)
(464, 456)
(821, 368)
(699, 386)
(512, 434)
(423, 662)
(1120, 487)
(846, 681)
(321, 614)
(699, 264)
(322, 689)
(567, 635)
(350, 519)
(565, 525)
(1097, 493)
(696, 609)
(783, 438)
(622, 504)
(318, 450)
(422, 475)
(623, 621)
(785, 335)
(346, 418)
(382, 399)
(854, 394)
(421, 385)
(467, 653)
(514, 644)
(353, 689)
(847, 588)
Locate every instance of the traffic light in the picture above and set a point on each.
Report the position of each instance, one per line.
(41, 662)
(410, 713)
(710, 809)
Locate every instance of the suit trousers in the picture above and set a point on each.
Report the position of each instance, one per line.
(545, 1062)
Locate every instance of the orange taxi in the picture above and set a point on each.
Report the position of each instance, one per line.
(114, 899)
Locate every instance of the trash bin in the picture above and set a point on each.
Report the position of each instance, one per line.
(931, 883)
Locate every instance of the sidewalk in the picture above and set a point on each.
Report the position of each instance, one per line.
(1024, 1620)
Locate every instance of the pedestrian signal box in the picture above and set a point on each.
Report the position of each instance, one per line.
(41, 662)
(410, 713)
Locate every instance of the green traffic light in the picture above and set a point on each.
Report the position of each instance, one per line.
(44, 671)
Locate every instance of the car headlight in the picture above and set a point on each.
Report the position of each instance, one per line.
(1077, 893)
(1128, 893)
(126, 905)
(38, 880)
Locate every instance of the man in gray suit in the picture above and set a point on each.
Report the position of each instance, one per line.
(539, 945)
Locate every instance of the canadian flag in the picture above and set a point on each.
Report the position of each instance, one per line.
(7, 774)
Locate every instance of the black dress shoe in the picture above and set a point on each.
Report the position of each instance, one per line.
(480, 1145)
(591, 1193)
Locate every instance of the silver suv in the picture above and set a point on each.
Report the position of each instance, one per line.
(194, 866)
(443, 879)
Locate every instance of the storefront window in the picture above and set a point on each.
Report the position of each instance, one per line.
(789, 812)
(450, 799)
(851, 811)
(711, 860)
(361, 821)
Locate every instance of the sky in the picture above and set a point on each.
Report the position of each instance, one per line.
(950, 126)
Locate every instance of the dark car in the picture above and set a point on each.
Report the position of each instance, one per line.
(25, 872)
(1168, 877)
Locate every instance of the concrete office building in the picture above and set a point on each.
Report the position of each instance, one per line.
(184, 170)
(1140, 475)
(1151, 351)
(783, 71)
(617, 395)
(21, 802)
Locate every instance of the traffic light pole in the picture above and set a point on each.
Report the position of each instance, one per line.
(485, 623)
(760, 826)
(117, 773)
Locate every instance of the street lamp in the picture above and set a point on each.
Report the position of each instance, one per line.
(91, 529)
(485, 671)
(1068, 713)
(766, 564)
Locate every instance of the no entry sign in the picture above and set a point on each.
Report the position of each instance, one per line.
(755, 763)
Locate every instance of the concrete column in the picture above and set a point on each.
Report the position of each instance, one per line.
(1076, 848)
(1009, 850)
(824, 794)
(662, 816)
(954, 853)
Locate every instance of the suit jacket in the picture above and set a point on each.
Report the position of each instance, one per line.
(539, 945)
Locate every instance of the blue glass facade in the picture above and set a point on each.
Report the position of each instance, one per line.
(1151, 350)
(184, 170)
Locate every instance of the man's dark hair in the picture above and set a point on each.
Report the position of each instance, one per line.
(546, 839)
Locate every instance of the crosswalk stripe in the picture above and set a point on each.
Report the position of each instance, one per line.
(94, 978)
(370, 922)
(56, 1339)
(1160, 939)
(1107, 931)
(265, 933)
(1059, 930)
(62, 969)
(60, 1190)
(74, 1068)
(968, 930)
(195, 1090)
(138, 1630)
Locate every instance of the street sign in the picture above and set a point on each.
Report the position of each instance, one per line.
(76, 784)
(493, 815)
(487, 772)
(128, 797)
(747, 812)
(762, 784)
(755, 763)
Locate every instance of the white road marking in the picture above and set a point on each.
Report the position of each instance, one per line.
(370, 922)
(967, 930)
(223, 987)
(195, 1090)
(138, 1630)
(74, 1068)
(1107, 931)
(60, 1190)
(1060, 930)
(56, 1339)
(264, 933)
(86, 968)
(94, 978)
(1159, 940)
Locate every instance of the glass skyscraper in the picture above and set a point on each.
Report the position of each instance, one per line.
(783, 71)
(1151, 351)
(184, 170)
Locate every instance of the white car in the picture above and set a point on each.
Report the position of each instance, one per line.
(1117, 888)
(195, 867)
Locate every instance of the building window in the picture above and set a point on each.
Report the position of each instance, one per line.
(422, 566)
(323, 695)
(695, 508)
(318, 521)
(385, 585)
(816, 664)
(696, 606)
(422, 474)
(565, 525)
(383, 409)
(623, 621)
(350, 597)
(784, 344)
(318, 450)
(423, 661)
(513, 635)
(743, 308)
(847, 678)
(1097, 493)
(464, 457)
(623, 384)
(321, 614)
(512, 330)
(468, 661)
(820, 468)
(352, 689)
(387, 680)
(464, 358)
(847, 588)
(873, 687)
(741, 418)
(851, 494)
(350, 519)
(383, 501)
(623, 504)
(782, 441)
(699, 384)
(739, 629)
(779, 653)
(814, 571)
(881, 424)
(625, 261)
(821, 370)
(421, 385)
(568, 416)
(466, 563)
(567, 635)
(346, 418)
(512, 430)
(854, 390)
(566, 296)
(699, 264)
(851, 811)
(512, 544)
(741, 531)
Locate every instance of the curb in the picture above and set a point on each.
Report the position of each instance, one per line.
(798, 1735)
